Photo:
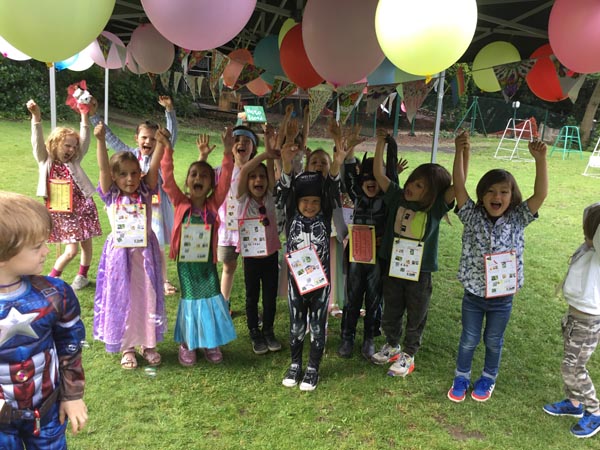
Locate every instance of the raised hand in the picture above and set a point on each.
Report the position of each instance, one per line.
(100, 131)
(381, 134)
(93, 106)
(166, 102)
(537, 149)
(35, 111)
(291, 131)
(228, 139)
(402, 165)
(204, 148)
(462, 142)
(162, 136)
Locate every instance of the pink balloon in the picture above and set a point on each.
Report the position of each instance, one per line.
(199, 24)
(574, 33)
(150, 49)
(113, 61)
(339, 39)
(133, 65)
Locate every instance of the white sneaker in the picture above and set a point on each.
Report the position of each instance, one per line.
(79, 282)
(386, 354)
(402, 367)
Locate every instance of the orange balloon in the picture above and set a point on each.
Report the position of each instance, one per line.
(237, 58)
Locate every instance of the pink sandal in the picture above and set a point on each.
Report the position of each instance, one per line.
(151, 356)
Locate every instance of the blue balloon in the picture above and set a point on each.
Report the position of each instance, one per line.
(266, 56)
(62, 65)
(384, 74)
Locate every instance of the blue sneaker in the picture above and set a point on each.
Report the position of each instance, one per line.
(587, 426)
(564, 408)
(458, 391)
(482, 389)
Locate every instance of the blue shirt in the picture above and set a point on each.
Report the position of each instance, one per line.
(482, 236)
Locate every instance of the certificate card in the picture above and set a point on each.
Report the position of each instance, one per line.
(406, 259)
(348, 215)
(306, 268)
(195, 242)
(60, 196)
(500, 274)
(130, 225)
(231, 213)
(362, 243)
(253, 238)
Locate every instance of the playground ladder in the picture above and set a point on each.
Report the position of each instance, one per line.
(512, 137)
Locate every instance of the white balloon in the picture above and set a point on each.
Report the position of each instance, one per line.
(8, 51)
(83, 62)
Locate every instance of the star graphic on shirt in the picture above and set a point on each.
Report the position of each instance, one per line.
(16, 323)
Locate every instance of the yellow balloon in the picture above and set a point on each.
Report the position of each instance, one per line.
(493, 54)
(425, 37)
(53, 30)
(287, 26)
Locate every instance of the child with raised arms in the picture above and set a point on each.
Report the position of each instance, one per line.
(76, 220)
(491, 263)
(203, 319)
(129, 306)
(409, 249)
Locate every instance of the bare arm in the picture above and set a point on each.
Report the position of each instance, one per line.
(162, 141)
(540, 187)
(462, 147)
(105, 178)
(378, 171)
(289, 109)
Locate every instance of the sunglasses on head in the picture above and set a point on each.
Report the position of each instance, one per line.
(264, 220)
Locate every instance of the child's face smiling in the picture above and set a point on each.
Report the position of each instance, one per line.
(199, 182)
(496, 200)
(415, 191)
(128, 178)
(242, 149)
(145, 140)
(258, 183)
(67, 149)
(371, 188)
(309, 206)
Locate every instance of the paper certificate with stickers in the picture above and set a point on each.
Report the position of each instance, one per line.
(253, 238)
(195, 243)
(306, 268)
(362, 243)
(406, 259)
(130, 225)
(231, 213)
(500, 274)
(60, 196)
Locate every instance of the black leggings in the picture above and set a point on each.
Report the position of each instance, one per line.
(265, 271)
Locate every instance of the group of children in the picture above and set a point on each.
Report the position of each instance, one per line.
(235, 209)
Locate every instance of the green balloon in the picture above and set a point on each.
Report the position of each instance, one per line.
(53, 30)
(493, 54)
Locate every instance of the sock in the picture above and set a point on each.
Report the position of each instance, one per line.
(83, 270)
(55, 273)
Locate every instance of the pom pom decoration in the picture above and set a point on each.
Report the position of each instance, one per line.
(78, 97)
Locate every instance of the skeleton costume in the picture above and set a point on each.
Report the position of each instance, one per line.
(302, 232)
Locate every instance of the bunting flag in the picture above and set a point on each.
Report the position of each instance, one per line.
(219, 63)
(165, 77)
(573, 85)
(348, 98)
(104, 44)
(181, 57)
(199, 81)
(460, 81)
(195, 57)
(318, 97)
(191, 84)
(415, 93)
(281, 89)
(249, 73)
(152, 77)
(376, 96)
(122, 52)
(234, 69)
(510, 76)
(176, 80)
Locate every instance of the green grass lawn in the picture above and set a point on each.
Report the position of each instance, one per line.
(241, 402)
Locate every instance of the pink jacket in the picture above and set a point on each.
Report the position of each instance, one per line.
(183, 205)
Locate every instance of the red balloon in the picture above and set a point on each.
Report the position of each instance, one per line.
(542, 78)
(295, 62)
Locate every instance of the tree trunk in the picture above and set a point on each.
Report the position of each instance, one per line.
(588, 118)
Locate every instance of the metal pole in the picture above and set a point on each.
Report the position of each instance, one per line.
(397, 116)
(106, 96)
(52, 97)
(438, 116)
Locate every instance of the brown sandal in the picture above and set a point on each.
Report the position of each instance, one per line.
(169, 288)
(128, 360)
(151, 356)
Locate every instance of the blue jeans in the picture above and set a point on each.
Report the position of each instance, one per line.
(496, 312)
(19, 434)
